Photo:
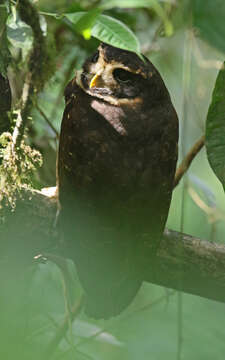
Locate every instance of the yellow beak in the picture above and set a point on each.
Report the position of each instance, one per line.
(94, 81)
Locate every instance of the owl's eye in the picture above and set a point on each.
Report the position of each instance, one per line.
(123, 76)
(95, 57)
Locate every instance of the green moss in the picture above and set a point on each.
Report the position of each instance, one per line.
(17, 167)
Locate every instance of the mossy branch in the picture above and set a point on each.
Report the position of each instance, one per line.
(183, 262)
(37, 64)
(18, 160)
(5, 104)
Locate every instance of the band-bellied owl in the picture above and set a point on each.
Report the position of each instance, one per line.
(116, 165)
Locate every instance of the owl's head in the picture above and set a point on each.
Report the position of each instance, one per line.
(120, 77)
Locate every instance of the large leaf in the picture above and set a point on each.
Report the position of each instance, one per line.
(84, 21)
(115, 33)
(215, 128)
(208, 18)
(107, 29)
(154, 4)
(72, 17)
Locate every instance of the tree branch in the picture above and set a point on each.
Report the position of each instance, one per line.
(62, 329)
(183, 262)
(190, 265)
(181, 170)
(5, 104)
(38, 62)
(48, 121)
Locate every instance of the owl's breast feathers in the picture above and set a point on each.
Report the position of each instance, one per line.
(115, 175)
(111, 146)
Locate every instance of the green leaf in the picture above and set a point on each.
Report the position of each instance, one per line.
(106, 29)
(115, 33)
(208, 18)
(154, 4)
(215, 128)
(84, 21)
(75, 17)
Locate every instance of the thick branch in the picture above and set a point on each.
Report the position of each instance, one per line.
(191, 265)
(28, 230)
(183, 262)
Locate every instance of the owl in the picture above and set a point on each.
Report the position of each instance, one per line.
(116, 164)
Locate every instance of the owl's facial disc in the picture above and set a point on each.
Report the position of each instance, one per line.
(111, 81)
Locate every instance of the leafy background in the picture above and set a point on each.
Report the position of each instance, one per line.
(185, 40)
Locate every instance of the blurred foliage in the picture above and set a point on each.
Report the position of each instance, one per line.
(185, 41)
(213, 29)
(215, 128)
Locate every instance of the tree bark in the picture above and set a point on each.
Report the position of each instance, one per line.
(5, 104)
(183, 262)
(190, 265)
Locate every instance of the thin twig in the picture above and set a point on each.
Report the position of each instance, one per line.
(62, 264)
(188, 160)
(48, 121)
(213, 213)
(61, 332)
(179, 324)
(67, 77)
(71, 310)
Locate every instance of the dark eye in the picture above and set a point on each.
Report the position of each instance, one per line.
(94, 58)
(123, 76)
